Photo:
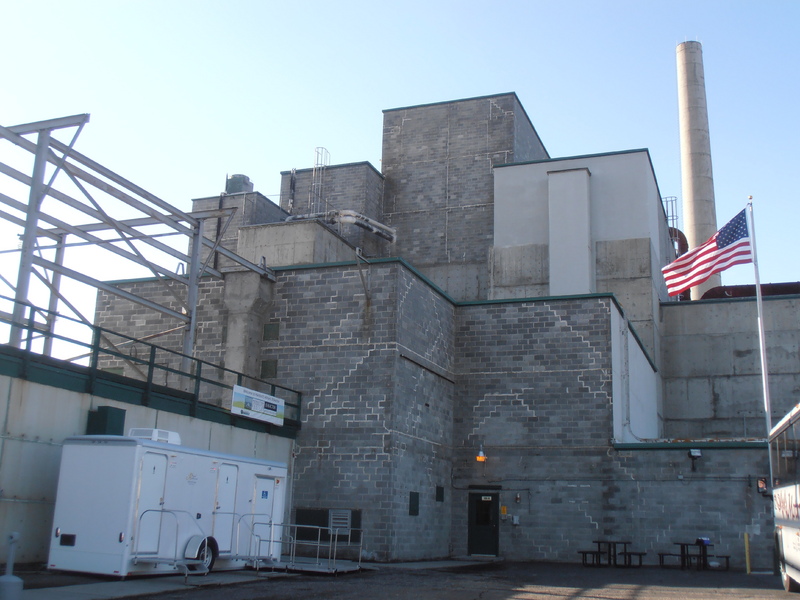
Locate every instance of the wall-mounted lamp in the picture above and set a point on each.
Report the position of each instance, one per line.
(694, 454)
(481, 457)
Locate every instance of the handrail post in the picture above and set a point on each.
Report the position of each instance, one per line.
(197, 377)
(150, 369)
(332, 548)
(94, 359)
(294, 544)
(30, 328)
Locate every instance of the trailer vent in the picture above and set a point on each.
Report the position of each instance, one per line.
(155, 435)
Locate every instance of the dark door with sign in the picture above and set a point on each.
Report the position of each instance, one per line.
(483, 535)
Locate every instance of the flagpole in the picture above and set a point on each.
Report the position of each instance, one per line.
(760, 307)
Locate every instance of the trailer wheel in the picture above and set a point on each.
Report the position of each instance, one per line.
(789, 584)
(207, 553)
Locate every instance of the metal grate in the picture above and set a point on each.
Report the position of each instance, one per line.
(340, 520)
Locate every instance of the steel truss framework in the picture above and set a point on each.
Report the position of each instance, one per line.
(94, 194)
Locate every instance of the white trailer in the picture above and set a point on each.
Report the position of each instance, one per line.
(128, 505)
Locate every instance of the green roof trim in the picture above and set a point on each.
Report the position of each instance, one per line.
(685, 303)
(402, 262)
(577, 157)
(436, 288)
(688, 445)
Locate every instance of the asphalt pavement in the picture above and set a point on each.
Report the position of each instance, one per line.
(433, 580)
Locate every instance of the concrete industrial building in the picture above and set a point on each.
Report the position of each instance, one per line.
(475, 295)
(520, 311)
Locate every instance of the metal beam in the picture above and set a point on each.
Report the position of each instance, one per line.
(52, 307)
(109, 288)
(29, 236)
(59, 123)
(172, 219)
(63, 227)
(132, 223)
(193, 294)
(121, 181)
(21, 222)
(154, 268)
(93, 179)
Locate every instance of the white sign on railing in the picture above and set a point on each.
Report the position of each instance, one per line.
(257, 405)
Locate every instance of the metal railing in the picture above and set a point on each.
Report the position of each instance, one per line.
(318, 546)
(112, 353)
(321, 544)
(176, 555)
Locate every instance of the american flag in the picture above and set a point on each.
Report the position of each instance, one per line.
(729, 246)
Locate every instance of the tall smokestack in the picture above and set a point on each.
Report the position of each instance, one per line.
(699, 211)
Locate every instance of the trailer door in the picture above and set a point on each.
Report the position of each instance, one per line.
(151, 501)
(224, 515)
(263, 499)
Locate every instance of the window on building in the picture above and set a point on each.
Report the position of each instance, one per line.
(269, 369)
(413, 504)
(270, 332)
(439, 493)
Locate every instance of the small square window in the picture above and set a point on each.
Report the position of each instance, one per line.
(269, 369)
(270, 332)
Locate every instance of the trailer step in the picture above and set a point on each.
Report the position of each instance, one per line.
(181, 565)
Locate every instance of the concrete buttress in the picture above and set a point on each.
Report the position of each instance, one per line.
(247, 298)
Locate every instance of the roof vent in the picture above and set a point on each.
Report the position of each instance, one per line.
(238, 184)
(155, 435)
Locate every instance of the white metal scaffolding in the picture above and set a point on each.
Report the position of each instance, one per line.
(73, 201)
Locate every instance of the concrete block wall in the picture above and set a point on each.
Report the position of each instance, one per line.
(534, 388)
(570, 495)
(422, 417)
(376, 417)
(712, 368)
(252, 208)
(624, 268)
(437, 160)
(337, 350)
(356, 186)
(123, 316)
(527, 144)
(544, 360)
(534, 379)
(401, 386)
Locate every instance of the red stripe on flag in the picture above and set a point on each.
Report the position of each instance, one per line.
(696, 266)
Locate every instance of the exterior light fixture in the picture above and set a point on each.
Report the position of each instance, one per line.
(481, 457)
(694, 454)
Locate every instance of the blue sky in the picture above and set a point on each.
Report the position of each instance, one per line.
(183, 93)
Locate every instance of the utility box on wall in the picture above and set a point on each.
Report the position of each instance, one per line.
(106, 420)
